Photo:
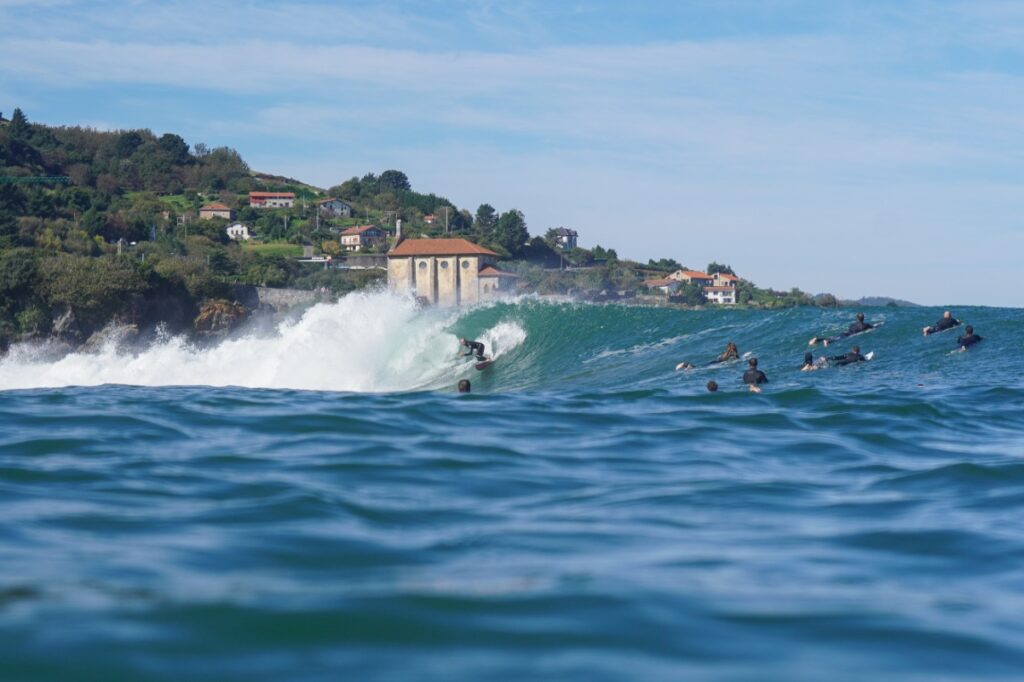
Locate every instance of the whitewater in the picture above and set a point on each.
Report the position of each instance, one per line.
(316, 502)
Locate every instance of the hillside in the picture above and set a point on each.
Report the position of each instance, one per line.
(99, 225)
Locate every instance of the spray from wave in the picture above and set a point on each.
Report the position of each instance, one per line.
(364, 342)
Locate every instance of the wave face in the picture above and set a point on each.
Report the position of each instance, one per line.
(317, 503)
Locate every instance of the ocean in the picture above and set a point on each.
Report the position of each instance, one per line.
(318, 503)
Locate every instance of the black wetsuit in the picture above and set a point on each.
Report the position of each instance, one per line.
(477, 348)
(848, 359)
(754, 376)
(943, 324)
(968, 341)
(856, 328)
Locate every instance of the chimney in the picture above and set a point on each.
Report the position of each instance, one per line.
(398, 231)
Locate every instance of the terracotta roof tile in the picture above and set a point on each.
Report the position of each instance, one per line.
(439, 247)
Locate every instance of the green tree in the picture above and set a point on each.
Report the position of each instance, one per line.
(486, 219)
(715, 268)
(511, 233)
(19, 128)
(692, 294)
(394, 180)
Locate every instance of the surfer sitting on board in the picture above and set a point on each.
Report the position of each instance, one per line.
(968, 339)
(754, 377)
(947, 321)
(730, 353)
(849, 358)
(857, 327)
(475, 348)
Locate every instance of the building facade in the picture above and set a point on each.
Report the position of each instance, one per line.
(721, 295)
(216, 210)
(444, 272)
(239, 232)
(495, 283)
(566, 238)
(362, 237)
(334, 208)
(272, 199)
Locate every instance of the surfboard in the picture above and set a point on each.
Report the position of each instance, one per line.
(870, 356)
(484, 365)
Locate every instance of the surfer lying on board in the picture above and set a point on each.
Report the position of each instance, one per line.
(810, 364)
(857, 327)
(475, 348)
(947, 321)
(849, 358)
(754, 377)
(968, 339)
(731, 352)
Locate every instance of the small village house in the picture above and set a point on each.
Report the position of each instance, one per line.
(566, 238)
(216, 210)
(446, 272)
(362, 237)
(724, 280)
(334, 208)
(693, 277)
(720, 295)
(495, 283)
(430, 219)
(663, 284)
(272, 199)
(239, 232)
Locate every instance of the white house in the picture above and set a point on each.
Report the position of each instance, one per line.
(362, 237)
(239, 232)
(721, 295)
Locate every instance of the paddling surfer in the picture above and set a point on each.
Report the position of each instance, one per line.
(857, 327)
(947, 321)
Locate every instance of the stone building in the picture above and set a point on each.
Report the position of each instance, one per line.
(445, 272)
(216, 210)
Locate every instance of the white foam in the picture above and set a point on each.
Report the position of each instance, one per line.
(365, 342)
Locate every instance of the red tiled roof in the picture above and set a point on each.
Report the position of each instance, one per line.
(215, 207)
(439, 247)
(693, 274)
(271, 195)
(722, 275)
(491, 271)
(360, 229)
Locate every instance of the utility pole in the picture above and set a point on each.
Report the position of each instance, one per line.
(446, 230)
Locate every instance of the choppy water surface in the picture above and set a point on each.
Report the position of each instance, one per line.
(588, 513)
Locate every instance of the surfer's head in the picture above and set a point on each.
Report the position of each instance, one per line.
(947, 314)
(860, 317)
(712, 385)
(463, 385)
(969, 329)
(752, 362)
(856, 349)
(808, 358)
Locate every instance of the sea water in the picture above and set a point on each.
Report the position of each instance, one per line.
(318, 503)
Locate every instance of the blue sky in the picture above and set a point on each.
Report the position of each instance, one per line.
(863, 148)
